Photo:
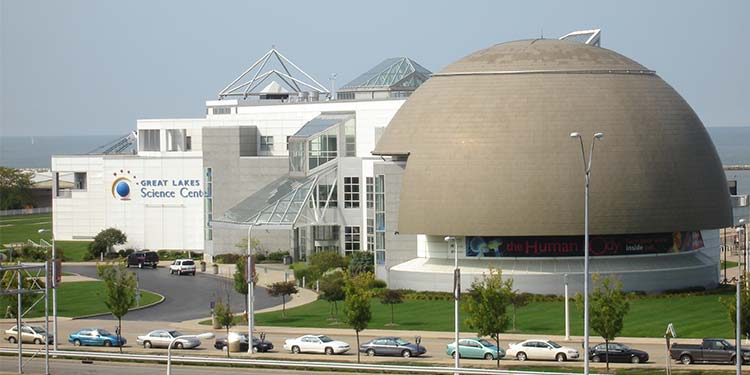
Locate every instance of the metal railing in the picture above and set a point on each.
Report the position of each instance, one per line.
(26, 211)
(376, 367)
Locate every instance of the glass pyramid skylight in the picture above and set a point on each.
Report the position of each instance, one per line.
(391, 72)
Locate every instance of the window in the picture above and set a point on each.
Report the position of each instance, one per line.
(326, 233)
(350, 132)
(266, 143)
(379, 219)
(296, 156)
(148, 139)
(370, 188)
(221, 110)
(175, 139)
(323, 148)
(380, 257)
(370, 234)
(323, 192)
(209, 207)
(287, 142)
(351, 192)
(188, 143)
(351, 238)
(79, 180)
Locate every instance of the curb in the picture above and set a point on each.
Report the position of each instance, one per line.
(161, 299)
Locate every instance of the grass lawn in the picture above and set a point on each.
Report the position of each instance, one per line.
(19, 229)
(693, 316)
(81, 298)
(729, 264)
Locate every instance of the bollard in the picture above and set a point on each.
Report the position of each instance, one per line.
(303, 282)
(317, 286)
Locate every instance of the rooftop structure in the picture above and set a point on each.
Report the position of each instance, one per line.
(393, 77)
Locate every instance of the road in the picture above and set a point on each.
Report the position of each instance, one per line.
(9, 365)
(186, 297)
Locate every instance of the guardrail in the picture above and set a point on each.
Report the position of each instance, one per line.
(26, 211)
(287, 364)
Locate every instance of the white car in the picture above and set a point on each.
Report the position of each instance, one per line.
(182, 267)
(316, 344)
(541, 349)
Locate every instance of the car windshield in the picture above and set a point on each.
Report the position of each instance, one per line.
(485, 342)
(401, 342)
(104, 332)
(554, 344)
(325, 338)
(175, 333)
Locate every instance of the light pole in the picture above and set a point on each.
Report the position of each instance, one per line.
(54, 289)
(250, 291)
(738, 317)
(202, 336)
(587, 174)
(456, 295)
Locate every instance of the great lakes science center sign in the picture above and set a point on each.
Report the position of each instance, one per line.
(125, 184)
(572, 246)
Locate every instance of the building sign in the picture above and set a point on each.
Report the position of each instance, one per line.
(572, 246)
(125, 184)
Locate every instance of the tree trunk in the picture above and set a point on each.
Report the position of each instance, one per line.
(514, 318)
(119, 333)
(251, 340)
(497, 343)
(283, 306)
(358, 361)
(247, 311)
(606, 354)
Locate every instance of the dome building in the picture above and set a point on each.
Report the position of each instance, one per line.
(482, 152)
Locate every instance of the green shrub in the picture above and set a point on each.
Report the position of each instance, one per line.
(378, 284)
(227, 258)
(277, 256)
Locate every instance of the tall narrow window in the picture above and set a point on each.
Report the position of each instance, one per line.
(266, 143)
(370, 188)
(79, 180)
(351, 238)
(350, 130)
(209, 207)
(351, 192)
(370, 234)
(380, 219)
(148, 139)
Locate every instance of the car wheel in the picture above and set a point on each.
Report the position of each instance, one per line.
(596, 358)
(153, 266)
(635, 359)
(733, 361)
(108, 343)
(178, 345)
(489, 356)
(295, 349)
(453, 355)
(12, 340)
(255, 349)
(370, 352)
(521, 356)
(76, 342)
(179, 273)
(406, 353)
(686, 359)
(560, 357)
(37, 341)
(329, 351)
(127, 265)
(147, 344)
(192, 274)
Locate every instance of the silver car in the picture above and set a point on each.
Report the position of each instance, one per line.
(35, 334)
(161, 338)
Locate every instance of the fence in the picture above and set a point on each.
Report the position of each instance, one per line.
(26, 211)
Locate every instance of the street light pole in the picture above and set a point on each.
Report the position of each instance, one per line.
(202, 336)
(250, 291)
(738, 315)
(54, 288)
(456, 295)
(587, 174)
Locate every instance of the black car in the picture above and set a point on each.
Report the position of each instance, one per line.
(258, 346)
(617, 353)
(142, 259)
(391, 346)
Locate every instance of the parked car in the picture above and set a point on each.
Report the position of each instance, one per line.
(95, 336)
(258, 346)
(617, 353)
(316, 344)
(475, 348)
(541, 349)
(161, 338)
(182, 267)
(710, 350)
(391, 346)
(142, 259)
(31, 334)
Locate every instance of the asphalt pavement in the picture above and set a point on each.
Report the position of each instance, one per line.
(186, 297)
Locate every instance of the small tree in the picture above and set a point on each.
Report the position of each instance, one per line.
(240, 281)
(322, 262)
(119, 285)
(283, 289)
(15, 188)
(518, 300)
(223, 314)
(391, 297)
(361, 261)
(105, 240)
(486, 305)
(357, 303)
(332, 290)
(608, 306)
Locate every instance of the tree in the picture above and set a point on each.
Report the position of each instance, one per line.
(324, 261)
(223, 314)
(518, 300)
(361, 261)
(240, 281)
(391, 297)
(119, 285)
(9, 281)
(283, 289)
(105, 240)
(486, 305)
(15, 188)
(608, 306)
(731, 304)
(357, 303)
(332, 290)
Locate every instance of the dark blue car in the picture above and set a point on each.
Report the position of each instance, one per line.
(95, 337)
(394, 346)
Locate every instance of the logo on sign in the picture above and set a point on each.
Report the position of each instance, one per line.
(121, 186)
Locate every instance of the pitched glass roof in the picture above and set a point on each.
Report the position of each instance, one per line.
(320, 123)
(388, 73)
(278, 203)
(125, 145)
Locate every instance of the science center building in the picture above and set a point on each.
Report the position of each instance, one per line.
(480, 151)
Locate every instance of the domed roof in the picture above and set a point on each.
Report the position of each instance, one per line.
(490, 152)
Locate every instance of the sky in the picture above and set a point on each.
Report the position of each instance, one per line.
(95, 67)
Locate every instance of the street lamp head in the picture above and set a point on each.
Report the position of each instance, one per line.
(598, 135)
(42, 230)
(742, 221)
(449, 238)
(575, 135)
(205, 336)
